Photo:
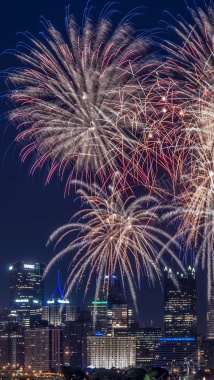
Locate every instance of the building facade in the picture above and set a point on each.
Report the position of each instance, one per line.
(12, 346)
(58, 309)
(108, 351)
(145, 342)
(26, 291)
(210, 315)
(57, 312)
(180, 355)
(98, 309)
(74, 332)
(43, 349)
(180, 318)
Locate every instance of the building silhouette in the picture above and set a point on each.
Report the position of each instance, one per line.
(180, 318)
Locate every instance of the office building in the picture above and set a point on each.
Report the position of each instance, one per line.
(43, 349)
(145, 342)
(58, 309)
(98, 309)
(180, 355)
(180, 303)
(26, 291)
(108, 351)
(110, 311)
(12, 346)
(210, 315)
(73, 335)
(114, 291)
(118, 317)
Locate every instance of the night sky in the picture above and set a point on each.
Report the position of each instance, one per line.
(29, 210)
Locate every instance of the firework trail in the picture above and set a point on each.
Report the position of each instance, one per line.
(75, 99)
(112, 234)
(193, 62)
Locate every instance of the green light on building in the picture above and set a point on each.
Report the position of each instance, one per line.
(99, 302)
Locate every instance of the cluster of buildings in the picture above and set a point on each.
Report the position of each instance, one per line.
(56, 335)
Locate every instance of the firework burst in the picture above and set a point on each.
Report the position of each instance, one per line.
(75, 99)
(193, 63)
(112, 234)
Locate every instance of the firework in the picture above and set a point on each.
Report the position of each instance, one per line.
(75, 99)
(193, 62)
(112, 234)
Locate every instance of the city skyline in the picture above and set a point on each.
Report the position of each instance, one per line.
(114, 340)
(33, 211)
(26, 272)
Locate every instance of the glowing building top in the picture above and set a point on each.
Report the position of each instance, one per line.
(180, 303)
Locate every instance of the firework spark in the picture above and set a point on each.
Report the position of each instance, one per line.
(112, 234)
(76, 97)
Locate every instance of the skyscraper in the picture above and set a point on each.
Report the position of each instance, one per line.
(26, 290)
(98, 310)
(180, 303)
(110, 311)
(58, 308)
(210, 314)
(73, 335)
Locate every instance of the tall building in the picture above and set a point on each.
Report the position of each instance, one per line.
(110, 311)
(26, 290)
(58, 309)
(98, 309)
(114, 291)
(210, 314)
(180, 303)
(118, 317)
(73, 335)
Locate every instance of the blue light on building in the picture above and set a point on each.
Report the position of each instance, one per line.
(177, 339)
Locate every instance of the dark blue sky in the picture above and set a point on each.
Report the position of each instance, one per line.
(29, 211)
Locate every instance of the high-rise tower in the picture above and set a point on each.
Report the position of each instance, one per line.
(58, 309)
(26, 290)
(210, 314)
(180, 303)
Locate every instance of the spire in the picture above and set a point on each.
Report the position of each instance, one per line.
(58, 293)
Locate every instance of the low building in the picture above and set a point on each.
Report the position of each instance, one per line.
(12, 346)
(109, 351)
